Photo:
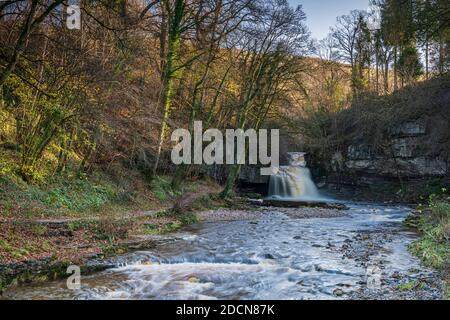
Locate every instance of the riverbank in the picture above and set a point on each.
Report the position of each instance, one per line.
(257, 212)
(87, 222)
(432, 221)
(267, 255)
(80, 241)
(44, 228)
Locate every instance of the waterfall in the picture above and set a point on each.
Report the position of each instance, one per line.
(293, 181)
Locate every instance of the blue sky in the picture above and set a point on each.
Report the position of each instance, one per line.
(322, 14)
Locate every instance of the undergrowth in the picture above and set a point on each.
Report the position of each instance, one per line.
(433, 247)
(60, 196)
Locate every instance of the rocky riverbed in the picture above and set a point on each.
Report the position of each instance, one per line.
(267, 253)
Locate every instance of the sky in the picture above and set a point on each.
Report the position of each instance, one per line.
(322, 14)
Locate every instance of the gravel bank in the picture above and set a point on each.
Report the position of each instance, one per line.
(294, 213)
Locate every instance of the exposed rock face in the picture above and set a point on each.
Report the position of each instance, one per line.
(297, 159)
(253, 175)
(407, 167)
(359, 152)
(409, 129)
(404, 153)
(251, 181)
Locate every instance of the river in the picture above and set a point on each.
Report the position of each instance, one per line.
(362, 255)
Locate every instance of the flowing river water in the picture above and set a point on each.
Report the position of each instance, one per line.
(361, 255)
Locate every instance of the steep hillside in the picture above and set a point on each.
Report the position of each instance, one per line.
(403, 137)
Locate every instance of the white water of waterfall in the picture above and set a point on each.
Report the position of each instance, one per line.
(294, 182)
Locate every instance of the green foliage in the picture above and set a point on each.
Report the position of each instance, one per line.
(409, 64)
(39, 230)
(81, 224)
(189, 218)
(106, 228)
(205, 202)
(5, 245)
(64, 196)
(152, 229)
(15, 252)
(162, 188)
(78, 195)
(433, 187)
(409, 286)
(434, 246)
(397, 21)
(433, 254)
(440, 209)
(113, 229)
(39, 120)
(181, 220)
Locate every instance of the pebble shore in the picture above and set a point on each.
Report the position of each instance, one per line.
(294, 213)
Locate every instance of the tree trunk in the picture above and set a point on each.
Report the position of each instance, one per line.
(426, 57)
(169, 74)
(395, 69)
(377, 70)
(386, 76)
(441, 56)
(232, 176)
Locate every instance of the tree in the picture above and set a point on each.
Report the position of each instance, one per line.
(209, 74)
(351, 37)
(409, 65)
(175, 15)
(35, 14)
(273, 42)
(397, 28)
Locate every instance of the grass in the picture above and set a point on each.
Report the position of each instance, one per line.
(103, 214)
(161, 187)
(163, 190)
(169, 222)
(80, 195)
(104, 209)
(59, 197)
(15, 252)
(67, 194)
(154, 229)
(433, 248)
(409, 286)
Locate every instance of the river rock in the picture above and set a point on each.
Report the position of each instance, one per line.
(302, 204)
(338, 292)
(194, 280)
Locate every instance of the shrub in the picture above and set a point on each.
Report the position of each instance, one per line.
(434, 246)
(113, 229)
(162, 188)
